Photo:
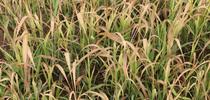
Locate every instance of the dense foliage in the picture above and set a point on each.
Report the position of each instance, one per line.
(105, 49)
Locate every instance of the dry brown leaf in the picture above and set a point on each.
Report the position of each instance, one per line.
(26, 62)
(62, 72)
(112, 36)
(20, 24)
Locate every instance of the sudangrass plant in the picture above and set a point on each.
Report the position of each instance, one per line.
(111, 49)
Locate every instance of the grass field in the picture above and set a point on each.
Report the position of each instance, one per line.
(105, 49)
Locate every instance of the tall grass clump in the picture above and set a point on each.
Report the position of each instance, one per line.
(105, 49)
